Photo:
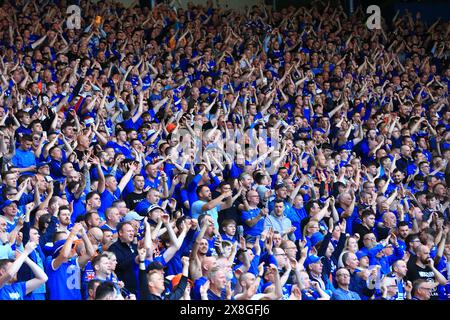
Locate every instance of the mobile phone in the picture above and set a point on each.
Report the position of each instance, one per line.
(240, 231)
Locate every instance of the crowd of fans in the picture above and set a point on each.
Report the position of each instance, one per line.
(208, 153)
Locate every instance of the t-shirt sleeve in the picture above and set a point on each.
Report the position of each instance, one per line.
(197, 209)
(246, 216)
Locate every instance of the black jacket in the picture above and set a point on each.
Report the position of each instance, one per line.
(330, 265)
(126, 263)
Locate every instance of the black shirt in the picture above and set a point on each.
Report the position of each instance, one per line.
(232, 212)
(415, 272)
(126, 255)
(362, 231)
(133, 199)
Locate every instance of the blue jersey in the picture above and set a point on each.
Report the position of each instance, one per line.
(258, 228)
(108, 198)
(64, 282)
(15, 291)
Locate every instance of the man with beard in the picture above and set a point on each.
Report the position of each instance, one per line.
(422, 267)
(106, 162)
(64, 219)
(205, 203)
(281, 193)
(398, 181)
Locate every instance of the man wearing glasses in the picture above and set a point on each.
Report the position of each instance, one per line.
(422, 289)
(343, 292)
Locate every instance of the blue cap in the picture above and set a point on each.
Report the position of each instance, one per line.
(311, 259)
(7, 203)
(42, 164)
(360, 254)
(316, 237)
(53, 249)
(132, 215)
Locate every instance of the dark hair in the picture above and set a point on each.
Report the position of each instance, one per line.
(88, 216)
(3, 262)
(279, 201)
(93, 283)
(91, 194)
(309, 204)
(402, 224)
(223, 183)
(63, 208)
(409, 238)
(97, 258)
(27, 137)
(367, 212)
(65, 125)
(104, 289)
(199, 189)
(430, 196)
(42, 221)
(121, 225)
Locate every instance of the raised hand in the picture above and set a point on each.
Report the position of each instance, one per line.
(165, 218)
(242, 243)
(204, 288)
(30, 246)
(142, 254)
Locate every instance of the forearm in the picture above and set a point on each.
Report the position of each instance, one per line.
(253, 221)
(213, 203)
(439, 277)
(12, 271)
(37, 271)
(88, 245)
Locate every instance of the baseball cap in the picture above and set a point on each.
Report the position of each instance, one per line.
(7, 203)
(153, 207)
(54, 249)
(279, 186)
(42, 164)
(311, 259)
(132, 215)
(360, 254)
(316, 237)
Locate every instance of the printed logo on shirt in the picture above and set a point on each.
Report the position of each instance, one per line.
(14, 295)
(73, 279)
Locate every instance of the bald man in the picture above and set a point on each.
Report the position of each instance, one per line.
(389, 223)
(422, 267)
